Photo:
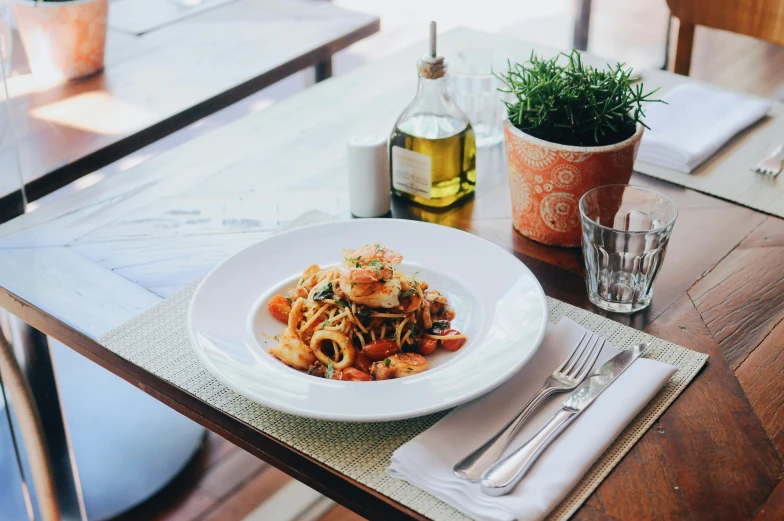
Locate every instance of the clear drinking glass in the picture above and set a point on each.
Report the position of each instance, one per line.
(626, 230)
(475, 90)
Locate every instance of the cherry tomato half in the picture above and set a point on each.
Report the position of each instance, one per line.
(427, 346)
(280, 307)
(380, 349)
(452, 345)
(352, 374)
(362, 362)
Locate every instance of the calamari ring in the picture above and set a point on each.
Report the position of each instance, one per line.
(295, 315)
(344, 349)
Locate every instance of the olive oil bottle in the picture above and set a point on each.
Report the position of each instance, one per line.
(432, 149)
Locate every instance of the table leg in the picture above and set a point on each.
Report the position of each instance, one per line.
(33, 349)
(324, 70)
(12, 475)
(582, 24)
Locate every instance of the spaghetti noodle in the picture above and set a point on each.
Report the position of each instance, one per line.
(362, 320)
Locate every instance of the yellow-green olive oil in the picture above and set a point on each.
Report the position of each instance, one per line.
(452, 166)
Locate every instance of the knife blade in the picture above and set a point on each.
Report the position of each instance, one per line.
(503, 477)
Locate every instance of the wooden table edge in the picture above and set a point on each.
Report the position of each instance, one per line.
(348, 492)
(104, 156)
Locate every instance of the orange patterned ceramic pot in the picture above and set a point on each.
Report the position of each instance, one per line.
(547, 180)
(63, 40)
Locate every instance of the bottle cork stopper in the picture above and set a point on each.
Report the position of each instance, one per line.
(432, 66)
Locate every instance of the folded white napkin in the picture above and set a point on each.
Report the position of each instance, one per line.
(426, 461)
(696, 122)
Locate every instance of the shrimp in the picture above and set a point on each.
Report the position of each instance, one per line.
(375, 294)
(427, 320)
(371, 263)
(398, 366)
(291, 351)
(439, 305)
(306, 282)
(410, 303)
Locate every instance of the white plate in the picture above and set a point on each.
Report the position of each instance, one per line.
(499, 305)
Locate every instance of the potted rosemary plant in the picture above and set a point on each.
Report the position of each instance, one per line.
(63, 39)
(570, 128)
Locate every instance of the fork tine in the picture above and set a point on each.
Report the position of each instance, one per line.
(571, 355)
(591, 360)
(577, 355)
(590, 348)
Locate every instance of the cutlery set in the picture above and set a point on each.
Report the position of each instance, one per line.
(498, 478)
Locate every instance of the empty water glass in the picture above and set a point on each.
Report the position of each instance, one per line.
(626, 230)
(474, 88)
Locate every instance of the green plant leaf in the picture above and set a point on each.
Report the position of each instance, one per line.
(324, 292)
(563, 100)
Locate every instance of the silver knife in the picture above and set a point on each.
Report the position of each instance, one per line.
(501, 478)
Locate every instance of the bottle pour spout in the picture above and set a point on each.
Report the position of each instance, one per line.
(432, 39)
(432, 66)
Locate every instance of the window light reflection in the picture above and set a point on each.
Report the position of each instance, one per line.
(96, 112)
(23, 84)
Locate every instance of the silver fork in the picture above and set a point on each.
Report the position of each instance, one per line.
(568, 376)
(771, 165)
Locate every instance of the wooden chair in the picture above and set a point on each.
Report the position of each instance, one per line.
(763, 19)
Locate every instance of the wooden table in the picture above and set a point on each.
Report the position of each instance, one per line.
(87, 263)
(165, 79)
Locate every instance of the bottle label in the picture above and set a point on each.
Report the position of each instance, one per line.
(411, 172)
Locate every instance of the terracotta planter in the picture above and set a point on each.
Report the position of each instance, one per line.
(547, 180)
(63, 40)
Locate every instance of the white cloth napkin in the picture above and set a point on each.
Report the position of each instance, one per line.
(696, 122)
(426, 461)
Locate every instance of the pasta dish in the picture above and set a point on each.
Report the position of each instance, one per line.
(362, 320)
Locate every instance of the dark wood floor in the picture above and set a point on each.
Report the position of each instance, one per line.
(224, 483)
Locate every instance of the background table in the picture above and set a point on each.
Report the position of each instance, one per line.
(165, 79)
(88, 263)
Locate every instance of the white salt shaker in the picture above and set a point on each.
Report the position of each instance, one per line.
(368, 175)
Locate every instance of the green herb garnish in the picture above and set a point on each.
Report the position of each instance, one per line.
(570, 103)
(325, 323)
(324, 292)
(387, 361)
(407, 292)
(330, 370)
(439, 326)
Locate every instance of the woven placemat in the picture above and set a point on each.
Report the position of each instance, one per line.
(157, 341)
(727, 174)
